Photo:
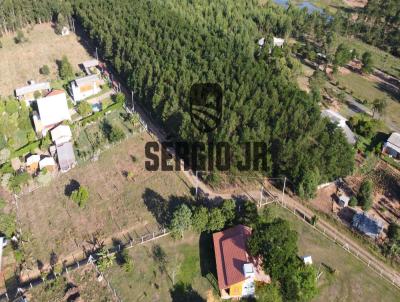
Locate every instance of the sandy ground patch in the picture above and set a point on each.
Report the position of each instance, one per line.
(356, 3)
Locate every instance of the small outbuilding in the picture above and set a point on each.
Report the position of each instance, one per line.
(307, 260)
(343, 200)
(367, 225)
(392, 145)
(66, 156)
(48, 163)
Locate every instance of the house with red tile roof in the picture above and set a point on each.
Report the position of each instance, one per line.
(237, 271)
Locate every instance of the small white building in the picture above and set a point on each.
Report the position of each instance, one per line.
(52, 110)
(307, 260)
(27, 93)
(278, 42)
(85, 87)
(65, 31)
(343, 200)
(48, 163)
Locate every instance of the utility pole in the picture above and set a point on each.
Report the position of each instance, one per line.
(97, 55)
(133, 105)
(283, 190)
(261, 196)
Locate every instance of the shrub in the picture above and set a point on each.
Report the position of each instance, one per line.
(45, 70)
(353, 201)
(84, 108)
(80, 196)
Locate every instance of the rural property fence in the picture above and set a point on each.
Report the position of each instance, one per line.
(374, 266)
(89, 259)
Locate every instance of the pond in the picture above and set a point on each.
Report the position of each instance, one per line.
(305, 4)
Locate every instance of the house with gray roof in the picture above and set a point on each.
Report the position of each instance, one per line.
(392, 145)
(85, 87)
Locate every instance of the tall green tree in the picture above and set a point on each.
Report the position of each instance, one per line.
(65, 69)
(181, 220)
(364, 195)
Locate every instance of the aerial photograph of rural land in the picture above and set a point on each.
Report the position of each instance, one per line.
(199, 150)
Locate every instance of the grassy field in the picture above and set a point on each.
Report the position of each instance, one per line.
(382, 59)
(365, 89)
(151, 280)
(83, 281)
(21, 62)
(51, 221)
(353, 281)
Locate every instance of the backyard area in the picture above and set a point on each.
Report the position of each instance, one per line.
(43, 47)
(344, 278)
(167, 270)
(51, 221)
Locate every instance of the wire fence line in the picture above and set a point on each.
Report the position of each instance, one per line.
(89, 259)
(390, 278)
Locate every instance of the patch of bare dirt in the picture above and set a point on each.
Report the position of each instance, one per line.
(356, 3)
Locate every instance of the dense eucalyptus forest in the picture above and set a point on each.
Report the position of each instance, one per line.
(161, 48)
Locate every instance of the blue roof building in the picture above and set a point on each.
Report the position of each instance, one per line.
(366, 225)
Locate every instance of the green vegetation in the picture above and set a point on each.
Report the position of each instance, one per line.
(84, 108)
(45, 70)
(80, 196)
(259, 90)
(364, 195)
(66, 71)
(367, 62)
(276, 243)
(343, 278)
(15, 126)
(181, 220)
(105, 259)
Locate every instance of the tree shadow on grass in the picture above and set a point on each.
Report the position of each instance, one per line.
(162, 208)
(184, 292)
(72, 186)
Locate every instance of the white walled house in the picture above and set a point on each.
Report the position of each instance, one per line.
(52, 110)
(85, 87)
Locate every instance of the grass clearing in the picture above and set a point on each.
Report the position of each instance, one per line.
(353, 281)
(21, 62)
(82, 282)
(187, 262)
(364, 89)
(52, 222)
(382, 60)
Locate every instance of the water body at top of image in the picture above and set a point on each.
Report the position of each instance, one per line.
(309, 6)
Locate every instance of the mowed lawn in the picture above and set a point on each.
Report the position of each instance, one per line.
(51, 221)
(188, 263)
(21, 62)
(353, 280)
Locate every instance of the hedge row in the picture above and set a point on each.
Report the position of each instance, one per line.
(95, 116)
(391, 161)
(25, 149)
